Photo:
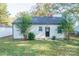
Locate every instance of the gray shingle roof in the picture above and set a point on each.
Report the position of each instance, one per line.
(44, 20)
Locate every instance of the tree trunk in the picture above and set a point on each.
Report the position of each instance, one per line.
(25, 37)
(65, 35)
(68, 36)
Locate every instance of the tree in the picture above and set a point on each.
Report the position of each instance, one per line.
(4, 16)
(71, 8)
(42, 9)
(23, 24)
(67, 24)
(61, 7)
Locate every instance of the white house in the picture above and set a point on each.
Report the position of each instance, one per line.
(42, 27)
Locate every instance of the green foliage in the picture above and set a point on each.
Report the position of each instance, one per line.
(42, 9)
(4, 16)
(31, 36)
(67, 24)
(3, 9)
(23, 22)
(53, 37)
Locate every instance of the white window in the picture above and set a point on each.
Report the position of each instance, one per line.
(40, 28)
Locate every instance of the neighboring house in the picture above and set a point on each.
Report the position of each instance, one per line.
(76, 27)
(5, 30)
(42, 27)
(76, 30)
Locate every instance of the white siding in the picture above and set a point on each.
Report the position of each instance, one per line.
(5, 31)
(40, 34)
(16, 33)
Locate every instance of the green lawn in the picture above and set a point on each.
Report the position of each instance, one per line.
(37, 47)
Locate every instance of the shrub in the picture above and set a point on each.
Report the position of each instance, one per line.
(31, 36)
(53, 37)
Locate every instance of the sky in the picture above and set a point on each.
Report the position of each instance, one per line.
(14, 8)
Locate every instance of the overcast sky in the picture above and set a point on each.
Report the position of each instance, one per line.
(14, 8)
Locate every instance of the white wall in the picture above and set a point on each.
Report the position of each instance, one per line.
(16, 33)
(39, 34)
(5, 31)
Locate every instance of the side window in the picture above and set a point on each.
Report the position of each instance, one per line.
(40, 28)
(59, 30)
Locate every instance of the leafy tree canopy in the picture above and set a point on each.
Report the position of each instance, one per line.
(4, 15)
(23, 22)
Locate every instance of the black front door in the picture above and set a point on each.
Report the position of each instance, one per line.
(47, 31)
(47, 34)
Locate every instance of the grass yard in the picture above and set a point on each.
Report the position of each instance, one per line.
(37, 48)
